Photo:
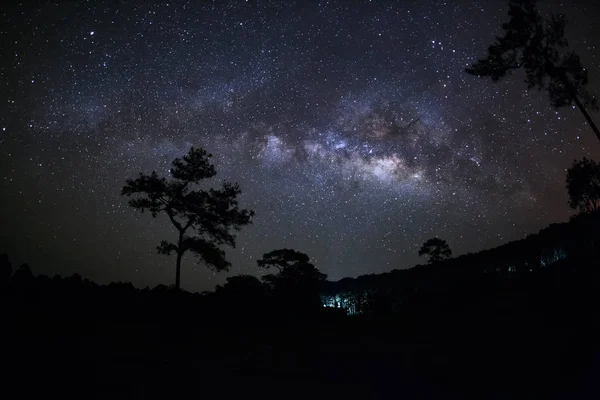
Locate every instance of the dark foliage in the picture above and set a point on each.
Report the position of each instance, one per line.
(297, 282)
(282, 259)
(204, 219)
(436, 249)
(583, 185)
(539, 46)
(23, 275)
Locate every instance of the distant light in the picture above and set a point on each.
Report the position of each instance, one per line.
(92, 33)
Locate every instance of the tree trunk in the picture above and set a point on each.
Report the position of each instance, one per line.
(587, 116)
(178, 266)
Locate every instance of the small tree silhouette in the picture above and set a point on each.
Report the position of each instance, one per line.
(539, 45)
(583, 185)
(297, 281)
(436, 249)
(23, 276)
(204, 219)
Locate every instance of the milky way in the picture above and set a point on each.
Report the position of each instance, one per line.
(351, 127)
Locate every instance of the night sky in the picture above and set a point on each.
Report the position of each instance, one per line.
(351, 128)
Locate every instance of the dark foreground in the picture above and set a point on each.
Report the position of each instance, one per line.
(529, 338)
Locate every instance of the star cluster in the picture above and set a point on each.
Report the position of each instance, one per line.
(351, 127)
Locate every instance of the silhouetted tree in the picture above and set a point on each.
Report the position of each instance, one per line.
(538, 45)
(160, 289)
(583, 185)
(203, 218)
(282, 258)
(297, 280)
(436, 249)
(23, 275)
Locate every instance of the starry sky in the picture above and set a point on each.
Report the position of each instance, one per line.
(351, 127)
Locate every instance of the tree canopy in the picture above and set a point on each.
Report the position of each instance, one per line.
(282, 259)
(583, 185)
(436, 249)
(297, 281)
(205, 219)
(538, 45)
(292, 265)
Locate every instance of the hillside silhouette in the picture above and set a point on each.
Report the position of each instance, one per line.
(527, 310)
